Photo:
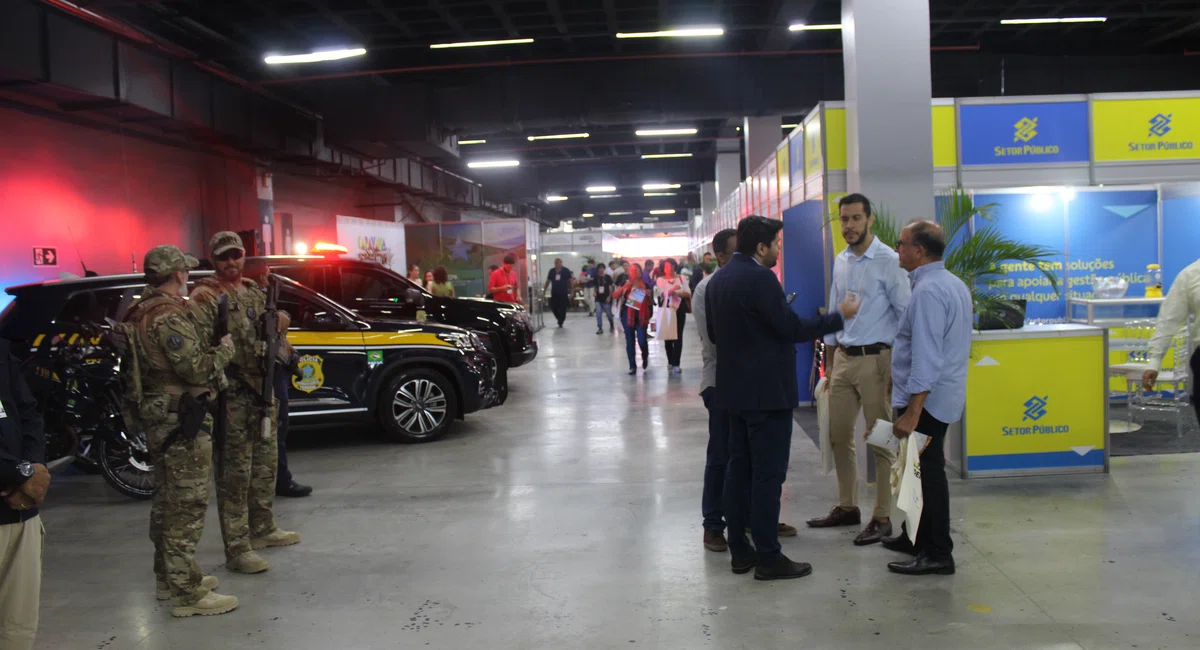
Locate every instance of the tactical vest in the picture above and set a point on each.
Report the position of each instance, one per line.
(157, 376)
(245, 313)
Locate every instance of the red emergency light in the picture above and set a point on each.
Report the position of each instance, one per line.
(329, 250)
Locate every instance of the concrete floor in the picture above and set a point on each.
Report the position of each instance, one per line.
(570, 518)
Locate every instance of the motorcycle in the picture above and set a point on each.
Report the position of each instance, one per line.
(77, 384)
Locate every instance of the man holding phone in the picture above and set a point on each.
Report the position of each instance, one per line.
(868, 274)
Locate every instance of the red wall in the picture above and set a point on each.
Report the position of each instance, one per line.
(106, 198)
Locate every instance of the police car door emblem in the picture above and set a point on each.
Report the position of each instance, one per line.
(314, 377)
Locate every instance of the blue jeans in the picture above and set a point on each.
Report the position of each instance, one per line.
(604, 309)
(759, 445)
(640, 333)
(712, 503)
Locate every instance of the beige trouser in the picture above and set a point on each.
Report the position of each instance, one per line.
(20, 583)
(860, 382)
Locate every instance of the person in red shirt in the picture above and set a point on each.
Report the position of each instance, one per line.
(502, 285)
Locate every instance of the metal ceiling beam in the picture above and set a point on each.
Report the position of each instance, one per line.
(610, 17)
(1174, 33)
(392, 19)
(448, 18)
(505, 21)
(958, 13)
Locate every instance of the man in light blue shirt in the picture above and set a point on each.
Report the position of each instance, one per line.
(929, 386)
(859, 363)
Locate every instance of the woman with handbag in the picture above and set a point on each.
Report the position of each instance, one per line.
(634, 298)
(673, 297)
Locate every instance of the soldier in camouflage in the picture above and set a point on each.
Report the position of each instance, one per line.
(172, 365)
(246, 487)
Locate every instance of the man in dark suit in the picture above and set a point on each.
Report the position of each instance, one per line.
(756, 333)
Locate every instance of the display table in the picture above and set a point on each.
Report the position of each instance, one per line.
(1037, 403)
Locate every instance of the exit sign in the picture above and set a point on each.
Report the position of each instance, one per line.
(45, 256)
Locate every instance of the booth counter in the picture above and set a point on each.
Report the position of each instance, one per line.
(1037, 403)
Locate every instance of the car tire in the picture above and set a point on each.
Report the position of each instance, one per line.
(417, 405)
(500, 378)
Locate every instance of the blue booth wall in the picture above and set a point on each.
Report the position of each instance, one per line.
(1181, 240)
(1098, 233)
(804, 274)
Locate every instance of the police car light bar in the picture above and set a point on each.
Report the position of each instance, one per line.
(326, 248)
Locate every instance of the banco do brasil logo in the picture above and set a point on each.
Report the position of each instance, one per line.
(1160, 125)
(1026, 129)
(1035, 408)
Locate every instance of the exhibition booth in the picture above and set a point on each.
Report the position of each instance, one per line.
(1111, 183)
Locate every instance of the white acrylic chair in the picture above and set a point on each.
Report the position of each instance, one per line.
(1170, 392)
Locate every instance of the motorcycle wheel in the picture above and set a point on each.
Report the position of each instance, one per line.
(126, 467)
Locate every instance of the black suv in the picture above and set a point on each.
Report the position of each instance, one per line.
(374, 290)
(415, 378)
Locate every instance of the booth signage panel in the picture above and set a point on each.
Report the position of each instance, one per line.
(1020, 134)
(835, 138)
(945, 137)
(1181, 231)
(1146, 129)
(1112, 234)
(814, 158)
(557, 241)
(796, 158)
(1024, 413)
(1030, 218)
(782, 171)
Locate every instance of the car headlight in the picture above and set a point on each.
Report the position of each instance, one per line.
(462, 340)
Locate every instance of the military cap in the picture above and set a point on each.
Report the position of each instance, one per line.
(225, 241)
(162, 261)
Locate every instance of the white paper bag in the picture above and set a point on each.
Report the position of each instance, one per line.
(823, 426)
(909, 497)
(666, 326)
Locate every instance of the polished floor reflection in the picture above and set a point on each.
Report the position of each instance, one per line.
(570, 518)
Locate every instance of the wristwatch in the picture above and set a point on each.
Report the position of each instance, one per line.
(25, 468)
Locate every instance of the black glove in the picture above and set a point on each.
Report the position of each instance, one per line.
(294, 367)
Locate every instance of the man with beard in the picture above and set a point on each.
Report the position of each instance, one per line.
(246, 482)
(860, 361)
(756, 332)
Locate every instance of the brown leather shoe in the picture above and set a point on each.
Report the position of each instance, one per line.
(837, 517)
(874, 532)
(786, 530)
(715, 541)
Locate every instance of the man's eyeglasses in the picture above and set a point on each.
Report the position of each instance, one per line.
(901, 242)
(234, 254)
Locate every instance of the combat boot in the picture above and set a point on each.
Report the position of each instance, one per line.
(162, 590)
(249, 562)
(275, 538)
(211, 605)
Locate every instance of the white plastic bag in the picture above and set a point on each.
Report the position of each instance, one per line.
(909, 496)
(823, 426)
(666, 325)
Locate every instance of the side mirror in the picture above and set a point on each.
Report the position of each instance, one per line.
(326, 322)
(415, 298)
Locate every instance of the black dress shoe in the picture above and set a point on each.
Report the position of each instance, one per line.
(293, 489)
(743, 562)
(900, 544)
(923, 565)
(784, 569)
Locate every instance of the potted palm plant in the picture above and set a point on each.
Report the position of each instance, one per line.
(974, 254)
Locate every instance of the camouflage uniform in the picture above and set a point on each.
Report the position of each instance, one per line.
(246, 486)
(173, 360)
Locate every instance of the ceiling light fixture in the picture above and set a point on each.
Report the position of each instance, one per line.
(690, 32)
(1053, 21)
(648, 133)
(560, 136)
(462, 142)
(486, 164)
(790, 126)
(313, 57)
(801, 27)
(588, 215)
(601, 188)
(662, 211)
(661, 186)
(619, 214)
(555, 197)
(605, 196)
(511, 41)
(660, 194)
(657, 156)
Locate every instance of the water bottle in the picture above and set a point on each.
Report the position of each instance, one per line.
(1155, 288)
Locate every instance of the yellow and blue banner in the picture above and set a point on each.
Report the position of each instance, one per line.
(796, 158)
(1022, 134)
(814, 156)
(1146, 129)
(1020, 418)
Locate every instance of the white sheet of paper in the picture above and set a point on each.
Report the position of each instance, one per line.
(881, 436)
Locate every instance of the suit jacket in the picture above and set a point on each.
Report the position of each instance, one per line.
(756, 332)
